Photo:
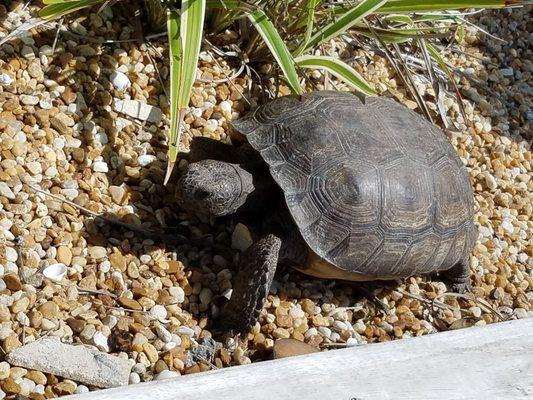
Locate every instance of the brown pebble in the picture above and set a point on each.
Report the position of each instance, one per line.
(13, 282)
(10, 386)
(292, 347)
(129, 303)
(76, 325)
(49, 310)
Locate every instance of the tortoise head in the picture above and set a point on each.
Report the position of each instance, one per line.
(215, 188)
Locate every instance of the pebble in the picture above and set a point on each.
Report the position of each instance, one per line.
(5, 191)
(166, 374)
(100, 166)
(241, 238)
(185, 330)
(146, 160)
(134, 378)
(5, 79)
(117, 193)
(119, 80)
(137, 109)
(158, 312)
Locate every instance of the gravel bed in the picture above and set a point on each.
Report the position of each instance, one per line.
(86, 123)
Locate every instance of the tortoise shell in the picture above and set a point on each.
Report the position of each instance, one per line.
(375, 189)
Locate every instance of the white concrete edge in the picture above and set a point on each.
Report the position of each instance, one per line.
(494, 361)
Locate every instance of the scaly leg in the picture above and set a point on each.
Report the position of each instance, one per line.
(458, 277)
(252, 284)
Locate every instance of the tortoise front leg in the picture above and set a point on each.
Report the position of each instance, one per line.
(458, 277)
(252, 284)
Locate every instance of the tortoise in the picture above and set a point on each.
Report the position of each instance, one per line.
(346, 188)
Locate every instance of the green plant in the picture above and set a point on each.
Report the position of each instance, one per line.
(290, 31)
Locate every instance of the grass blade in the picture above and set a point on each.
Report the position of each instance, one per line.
(433, 52)
(185, 33)
(58, 8)
(339, 69)
(311, 5)
(345, 22)
(277, 47)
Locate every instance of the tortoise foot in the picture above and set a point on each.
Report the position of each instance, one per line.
(252, 284)
(460, 287)
(458, 277)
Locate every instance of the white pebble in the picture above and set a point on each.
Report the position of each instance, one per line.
(100, 166)
(311, 332)
(82, 389)
(185, 330)
(166, 374)
(163, 333)
(6, 191)
(104, 266)
(325, 331)
(169, 346)
(134, 378)
(11, 254)
(158, 312)
(176, 339)
(341, 326)
(178, 293)
(296, 312)
(225, 106)
(5, 79)
(507, 226)
(100, 341)
(145, 160)
(120, 80)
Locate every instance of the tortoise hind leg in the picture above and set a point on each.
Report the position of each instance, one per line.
(252, 284)
(458, 277)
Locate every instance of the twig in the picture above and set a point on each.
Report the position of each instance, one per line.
(111, 220)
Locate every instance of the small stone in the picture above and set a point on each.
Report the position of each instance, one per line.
(100, 166)
(11, 343)
(281, 333)
(163, 333)
(158, 312)
(9, 386)
(119, 80)
(49, 310)
(6, 191)
(206, 295)
(177, 293)
(292, 347)
(138, 109)
(151, 352)
(82, 389)
(97, 252)
(28, 100)
(166, 374)
(507, 72)
(13, 282)
(117, 194)
(5, 79)
(37, 376)
(134, 378)
(4, 370)
(241, 238)
(64, 255)
(185, 330)
(100, 341)
(129, 303)
(65, 387)
(146, 160)
(11, 254)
